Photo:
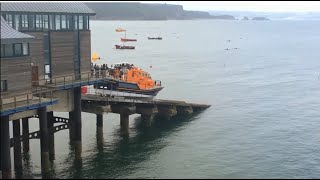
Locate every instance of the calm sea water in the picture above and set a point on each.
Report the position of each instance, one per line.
(264, 121)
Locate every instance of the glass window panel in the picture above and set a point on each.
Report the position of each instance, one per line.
(17, 49)
(17, 22)
(2, 50)
(63, 22)
(24, 22)
(31, 23)
(85, 22)
(25, 48)
(75, 22)
(52, 22)
(9, 19)
(3, 85)
(80, 22)
(38, 22)
(58, 22)
(45, 22)
(8, 50)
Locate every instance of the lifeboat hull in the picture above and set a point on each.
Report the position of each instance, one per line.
(124, 47)
(124, 89)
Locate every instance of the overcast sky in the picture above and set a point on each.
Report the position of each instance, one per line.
(268, 6)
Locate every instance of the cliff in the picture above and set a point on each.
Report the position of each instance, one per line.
(143, 11)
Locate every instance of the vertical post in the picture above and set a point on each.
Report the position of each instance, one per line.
(42, 112)
(124, 124)
(51, 135)
(25, 134)
(77, 122)
(71, 129)
(17, 145)
(5, 148)
(100, 130)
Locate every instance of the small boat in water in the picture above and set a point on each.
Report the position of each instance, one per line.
(127, 39)
(155, 38)
(128, 81)
(121, 46)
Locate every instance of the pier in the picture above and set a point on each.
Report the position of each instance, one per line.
(43, 67)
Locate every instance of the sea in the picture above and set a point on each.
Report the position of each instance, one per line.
(261, 78)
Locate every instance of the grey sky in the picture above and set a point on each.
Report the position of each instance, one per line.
(269, 6)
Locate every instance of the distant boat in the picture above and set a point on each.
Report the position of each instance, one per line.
(127, 39)
(157, 38)
(124, 47)
(120, 30)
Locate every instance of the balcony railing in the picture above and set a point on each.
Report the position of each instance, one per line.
(26, 100)
(66, 80)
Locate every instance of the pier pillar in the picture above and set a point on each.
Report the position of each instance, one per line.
(25, 134)
(70, 124)
(147, 112)
(125, 111)
(76, 122)
(5, 148)
(146, 120)
(42, 113)
(166, 112)
(100, 130)
(184, 110)
(51, 135)
(17, 145)
(124, 124)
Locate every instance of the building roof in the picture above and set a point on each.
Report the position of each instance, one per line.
(47, 7)
(10, 35)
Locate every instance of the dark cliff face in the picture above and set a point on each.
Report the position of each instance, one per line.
(140, 11)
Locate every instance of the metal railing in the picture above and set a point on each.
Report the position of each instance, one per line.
(26, 99)
(66, 79)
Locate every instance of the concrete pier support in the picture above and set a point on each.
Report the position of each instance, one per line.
(146, 120)
(17, 145)
(125, 111)
(100, 130)
(167, 111)
(25, 134)
(184, 110)
(147, 114)
(5, 148)
(51, 135)
(42, 112)
(76, 122)
(124, 124)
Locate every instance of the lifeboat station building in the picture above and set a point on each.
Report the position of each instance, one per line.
(45, 59)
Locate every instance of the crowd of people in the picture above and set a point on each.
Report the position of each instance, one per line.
(115, 71)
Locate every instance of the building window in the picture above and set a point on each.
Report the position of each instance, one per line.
(45, 22)
(24, 22)
(39, 22)
(32, 24)
(75, 22)
(52, 22)
(63, 22)
(4, 86)
(58, 25)
(25, 47)
(17, 49)
(85, 22)
(69, 22)
(8, 50)
(9, 19)
(2, 50)
(17, 22)
(80, 22)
